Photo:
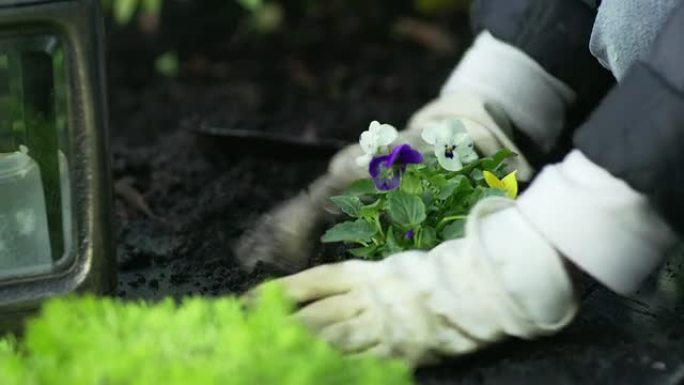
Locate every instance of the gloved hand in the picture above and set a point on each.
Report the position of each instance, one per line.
(501, 280)
(505, 278)
(485, 97)
(283, 238)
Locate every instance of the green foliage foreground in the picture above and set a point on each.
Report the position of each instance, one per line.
(89, 341)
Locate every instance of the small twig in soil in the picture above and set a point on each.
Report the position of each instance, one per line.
(124, 189)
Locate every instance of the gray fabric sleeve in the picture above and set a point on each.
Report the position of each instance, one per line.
(624, 30)
(637, 133)
(555, 34)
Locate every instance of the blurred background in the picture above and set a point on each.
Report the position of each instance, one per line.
(185, 76)
(326, 67)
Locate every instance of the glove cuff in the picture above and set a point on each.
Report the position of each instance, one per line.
(533, 99)
(482, 297)
(528, 267)
(597, 221)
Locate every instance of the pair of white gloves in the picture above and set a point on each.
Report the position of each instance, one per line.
(506, 277)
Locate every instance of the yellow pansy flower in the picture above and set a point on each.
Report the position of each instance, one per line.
(509, 183)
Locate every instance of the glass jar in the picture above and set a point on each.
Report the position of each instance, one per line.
(24, 236)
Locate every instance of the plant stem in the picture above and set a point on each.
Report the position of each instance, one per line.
(417, 237)
(379, 226)
(446, 220)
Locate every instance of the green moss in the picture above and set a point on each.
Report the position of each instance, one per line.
(79, 341)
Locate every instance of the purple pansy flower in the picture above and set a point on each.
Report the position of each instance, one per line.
(409, 234)
(386, 170)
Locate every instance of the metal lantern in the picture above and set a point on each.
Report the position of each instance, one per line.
(55, 185)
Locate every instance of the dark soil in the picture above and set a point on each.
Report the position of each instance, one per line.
(184, 197)
(321, 78)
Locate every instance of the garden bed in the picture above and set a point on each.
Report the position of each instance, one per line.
(182, 200)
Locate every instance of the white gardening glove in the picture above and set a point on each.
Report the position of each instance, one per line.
(505, 278)
(284, 237)
(501, 280)
(494, 84)
(597, 221)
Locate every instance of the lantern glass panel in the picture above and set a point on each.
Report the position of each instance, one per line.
(36, 224)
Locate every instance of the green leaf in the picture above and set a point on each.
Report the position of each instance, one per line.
(493, 192)
(411, 184)
(485, 192)
(386, 252)
(268, 18)
(493, 163)
(454, 230)
(251, 5)
(430, 161)
(428, 198)
(428, 238)
(438, 181)
(167, 64)
(361, 187)
(367, 252)
(371, 210)
(124, 10)
(152, 6)
(349, 204)
(359, 231)
(476, 175)
(391, 242)
(454, 185)
(406, 209)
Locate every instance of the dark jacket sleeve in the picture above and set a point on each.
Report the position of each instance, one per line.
(637, 133)
(556, 34)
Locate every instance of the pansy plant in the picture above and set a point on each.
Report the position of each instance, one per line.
(413, 200)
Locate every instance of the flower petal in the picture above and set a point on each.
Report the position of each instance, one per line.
(368, 142)
(410, 156)
(492, 181)
(388, 184)
(461, 139)
(386, 135)
(430, 132)
(466, 153)
(374, 126)
(377, 165)
(452, 163)
(403, 155)
(510, 183)
(385, 177)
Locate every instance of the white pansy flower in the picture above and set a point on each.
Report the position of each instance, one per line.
(376, 138)
(453, 146)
